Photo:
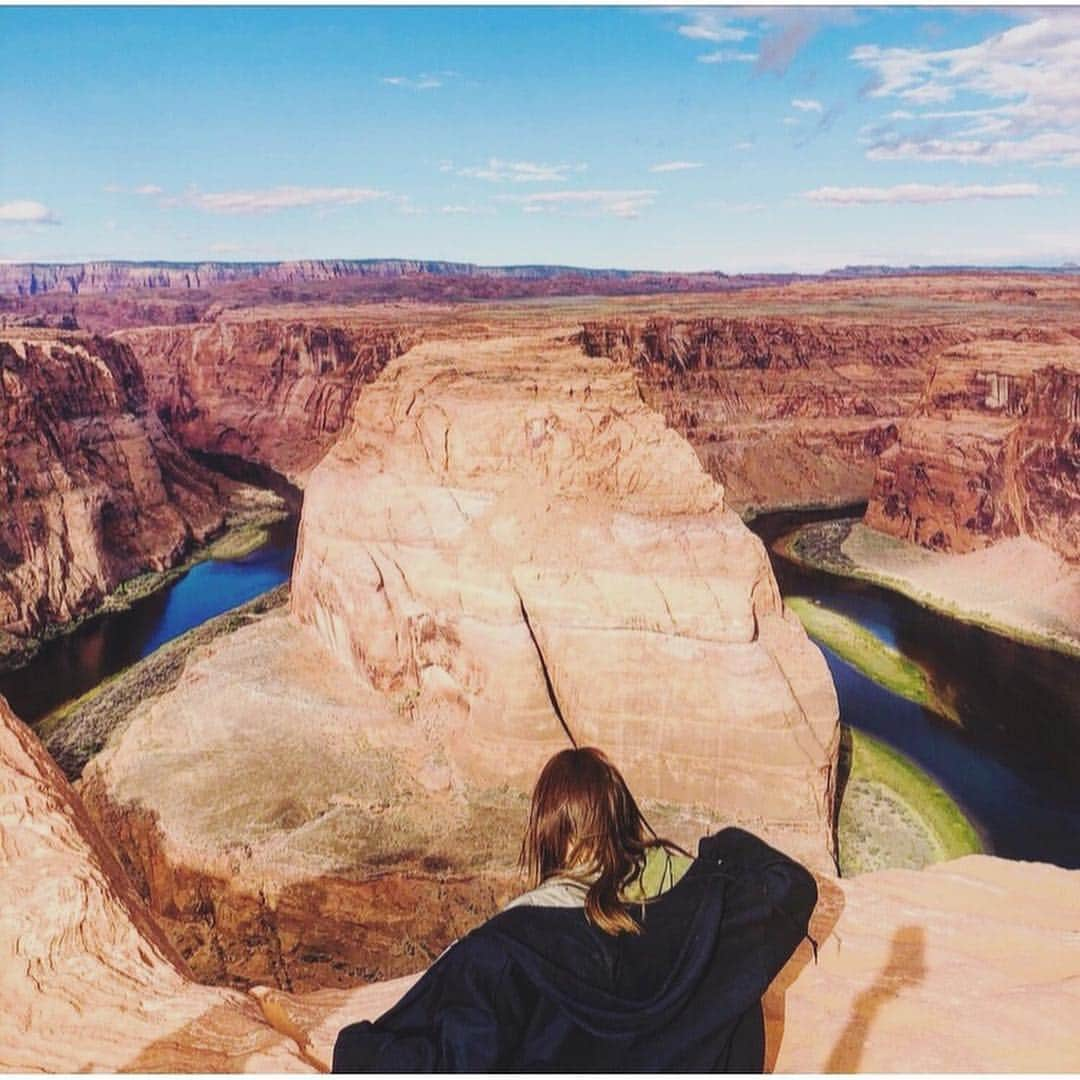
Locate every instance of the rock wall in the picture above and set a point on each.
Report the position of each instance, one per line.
(782, 411)
(505, 545)
(274, 391)
(88, 981)
(93, 490)
(992, 450)
(970, 966)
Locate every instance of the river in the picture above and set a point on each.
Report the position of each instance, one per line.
(68, 666)
(1012, 763)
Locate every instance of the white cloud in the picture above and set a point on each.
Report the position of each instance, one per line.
(745, 144)
(622, 204)
(420, 82)
(148, 189)
(272, 200)
(807, 105)
(27, 212)
(709, 26)
(923, 193)
(1019, 91)
(517, 172)
(461, 210)
(675, 166)
(727, 56)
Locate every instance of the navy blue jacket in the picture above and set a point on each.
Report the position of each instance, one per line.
(542, 990)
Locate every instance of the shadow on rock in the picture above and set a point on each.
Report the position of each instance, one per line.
(823, 922)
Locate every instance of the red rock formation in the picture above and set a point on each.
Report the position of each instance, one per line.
(275, 391)
(969, 966)
(88, 981)
(992, 450)
(94, 490)
(783, 412)
(505, 535)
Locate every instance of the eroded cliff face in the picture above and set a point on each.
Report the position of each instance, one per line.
(782, 411)
(505, 546)
(93, 489)
(992, 450)
(969, 966)
(274, 391)
(88, 980)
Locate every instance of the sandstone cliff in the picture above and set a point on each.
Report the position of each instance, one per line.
(505, 545)
(93, 490)
(783, 412)
(991, 451)
(275, 391)
(970, 966)
(87, 980)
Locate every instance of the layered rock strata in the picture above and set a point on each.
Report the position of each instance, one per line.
(273, 391)
(970, 966)
(93, 490)
(88, 981)
(506, 547)
(783, 412)
(991, 451)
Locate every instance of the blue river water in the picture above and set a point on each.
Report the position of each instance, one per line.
(70, 665)
(1012, 762)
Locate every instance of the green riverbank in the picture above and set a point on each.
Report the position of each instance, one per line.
(892, 814)
(847, 548)
(76, 731)
(865, 651)
(251, 513)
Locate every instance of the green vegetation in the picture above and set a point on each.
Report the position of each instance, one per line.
(869, 654)
(895, 815)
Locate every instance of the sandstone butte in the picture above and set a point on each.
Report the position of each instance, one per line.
(94, 488)
(970, 966)
(506, 540)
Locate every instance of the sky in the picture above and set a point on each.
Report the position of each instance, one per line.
(720, 138)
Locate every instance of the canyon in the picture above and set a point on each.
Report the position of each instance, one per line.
(520, 528)
(505, 548)
(967, 967)
(95, 489)
(274, 391)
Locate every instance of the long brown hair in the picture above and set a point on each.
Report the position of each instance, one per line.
(585, 824)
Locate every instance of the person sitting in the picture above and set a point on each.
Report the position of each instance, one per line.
(626, 956)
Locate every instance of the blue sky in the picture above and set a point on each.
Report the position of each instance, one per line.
(736, 139)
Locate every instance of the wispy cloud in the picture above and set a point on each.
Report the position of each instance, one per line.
(807, 105)
(924, 193)
(621, 204)
(711, 26)
(1024, 84)
(728, 56)
(274, 200)
(674, 166)
(498, 171)
(424, 81)
(769, 37)
(148, 189)
(27, 212)
(460, 210)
